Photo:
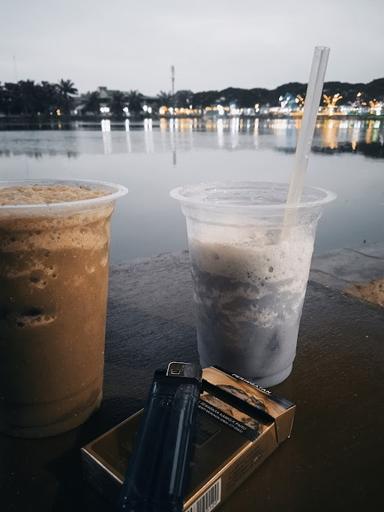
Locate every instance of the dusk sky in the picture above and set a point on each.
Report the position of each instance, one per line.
(127, 44)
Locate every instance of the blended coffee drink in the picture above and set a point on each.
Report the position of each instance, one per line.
(250, 273)
(54, 245)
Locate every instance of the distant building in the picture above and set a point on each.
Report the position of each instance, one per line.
(148, 104)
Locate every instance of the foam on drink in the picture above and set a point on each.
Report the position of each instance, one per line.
(249, 297)
(53, 295)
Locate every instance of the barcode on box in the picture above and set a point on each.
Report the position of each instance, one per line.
(208, 500)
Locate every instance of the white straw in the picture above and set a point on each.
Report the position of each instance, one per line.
(311, 107)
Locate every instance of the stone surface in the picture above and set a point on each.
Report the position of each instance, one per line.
(358, 272)
(333, 460)
(371, 292)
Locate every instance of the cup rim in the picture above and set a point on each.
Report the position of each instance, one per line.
(180, 193)
(117, 191)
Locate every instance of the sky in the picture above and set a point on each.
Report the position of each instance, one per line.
(213, 44)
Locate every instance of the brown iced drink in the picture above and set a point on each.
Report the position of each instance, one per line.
(53, 295)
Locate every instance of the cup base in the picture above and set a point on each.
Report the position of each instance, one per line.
(272, 380)
(55, 429)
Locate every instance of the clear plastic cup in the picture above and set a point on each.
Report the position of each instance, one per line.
(250, 270)
(54, 260)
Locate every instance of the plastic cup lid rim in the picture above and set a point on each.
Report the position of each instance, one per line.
(199, 195)
(116, 191)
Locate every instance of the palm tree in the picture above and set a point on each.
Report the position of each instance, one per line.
(134, 98)
(48, 96)
(66, 89)
(27, 90)
(12, 98)
(3, 99)
(117, 103)
(92, 103)
(165, 98)
(6, 100)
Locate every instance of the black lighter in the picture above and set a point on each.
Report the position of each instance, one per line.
(158, 468)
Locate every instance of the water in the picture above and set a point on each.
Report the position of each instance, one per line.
(348, 158)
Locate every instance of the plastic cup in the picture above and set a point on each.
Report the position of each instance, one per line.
(54, 261)
(250, 273)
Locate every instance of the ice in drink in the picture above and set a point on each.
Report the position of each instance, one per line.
(248, 301)
(250, 273)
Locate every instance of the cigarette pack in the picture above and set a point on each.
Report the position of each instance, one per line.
(238, 426)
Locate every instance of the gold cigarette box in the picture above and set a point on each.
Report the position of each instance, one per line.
(238, 426)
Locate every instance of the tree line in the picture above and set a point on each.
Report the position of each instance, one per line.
(29, 98)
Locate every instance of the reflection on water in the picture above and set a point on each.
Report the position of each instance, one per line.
(152, 157)
(148, 136)
(171, 135)
(107, 138)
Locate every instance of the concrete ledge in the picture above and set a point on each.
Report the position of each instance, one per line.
(358, 272)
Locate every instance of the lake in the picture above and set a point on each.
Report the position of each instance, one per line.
(153, 157)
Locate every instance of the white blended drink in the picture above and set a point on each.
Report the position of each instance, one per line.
(250, 273)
